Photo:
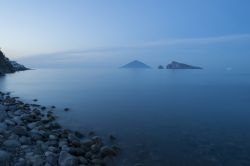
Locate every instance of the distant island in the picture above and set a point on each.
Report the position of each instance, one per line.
(7, 66)
(136, 65)
(178, 65)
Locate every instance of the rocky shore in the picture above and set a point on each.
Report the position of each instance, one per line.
(30, 136)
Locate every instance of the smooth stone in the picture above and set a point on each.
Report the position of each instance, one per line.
(3, 126)
(66, 159)
(20, 130)
(37, 160)
(25, 140)
(106, 151)
(17, 120)
(66, 109)
(52, 149)
(52, 137)
(65, 148)
(97, 139)
(21, 162)
(112, 138)
(9, 122)
(108, 161)
(97, 161)
(79, 135)
(18, 112)
(32, 125)
(76, 151)
(95, 148)
(13, 136)
(51, 158)
(83, 160)
(87, 142)
(3, 113)
(5, 157)
(11, 143)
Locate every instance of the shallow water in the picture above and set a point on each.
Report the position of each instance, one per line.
(161, 117)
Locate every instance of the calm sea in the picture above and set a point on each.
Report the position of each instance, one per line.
(160, 117)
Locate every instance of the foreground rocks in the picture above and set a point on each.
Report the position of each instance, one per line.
(30, 135)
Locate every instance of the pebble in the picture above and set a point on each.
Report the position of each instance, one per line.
(31, 136)
(4, 157)
(11, 143)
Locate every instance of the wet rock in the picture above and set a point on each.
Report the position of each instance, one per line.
(11, 143)
(95, 148)
(91, 133)
(66, 159)
(32, 125)
(5, 157)
(20, 130)
(3, 114)
(78, 134)
(25, 140)
(97, 139)
(83, 160)
(52, 149)
(66, 109)
(51, 158)
(108, 161)
(112, 137)
(97, 161)
(3, 127)
(87, 142)
(20, 162)
(52, 137)
(37, 160)
(116, 149)
(9, 122)
(107, 151)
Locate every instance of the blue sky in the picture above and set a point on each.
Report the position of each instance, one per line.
(43, 27)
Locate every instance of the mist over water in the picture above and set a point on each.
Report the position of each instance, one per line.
(160, 117)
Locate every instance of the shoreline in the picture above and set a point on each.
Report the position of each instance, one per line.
(31, 135)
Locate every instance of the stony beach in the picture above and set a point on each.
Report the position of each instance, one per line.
(31, 136)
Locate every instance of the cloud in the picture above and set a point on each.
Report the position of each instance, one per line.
(160, 43)
(185, 41)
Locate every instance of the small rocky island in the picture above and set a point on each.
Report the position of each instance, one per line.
(178, 65)
(7, 66)
(136, 65)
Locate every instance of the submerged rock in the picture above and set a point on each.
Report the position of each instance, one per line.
(160, 67)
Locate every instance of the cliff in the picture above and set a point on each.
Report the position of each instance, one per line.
(7, 66)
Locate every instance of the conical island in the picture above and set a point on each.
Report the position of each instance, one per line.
(136, 65)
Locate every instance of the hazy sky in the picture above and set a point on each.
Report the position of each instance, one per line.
(31, 27)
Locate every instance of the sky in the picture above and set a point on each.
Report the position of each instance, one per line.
(152, 28)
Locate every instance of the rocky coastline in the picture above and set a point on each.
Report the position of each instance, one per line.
(8, 66)
(31, 136)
